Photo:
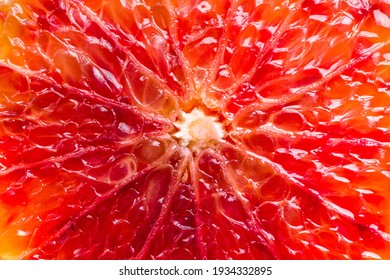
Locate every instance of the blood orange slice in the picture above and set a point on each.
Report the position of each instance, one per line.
(194, 129)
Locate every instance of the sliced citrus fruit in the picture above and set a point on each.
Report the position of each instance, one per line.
(194, 129)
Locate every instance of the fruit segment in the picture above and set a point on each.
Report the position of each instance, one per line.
(194, 129)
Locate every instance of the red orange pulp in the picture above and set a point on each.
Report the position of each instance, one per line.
(248, 129)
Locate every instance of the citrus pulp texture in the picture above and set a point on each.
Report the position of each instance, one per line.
(169, 129)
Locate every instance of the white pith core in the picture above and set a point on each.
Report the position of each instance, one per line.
(196, 128)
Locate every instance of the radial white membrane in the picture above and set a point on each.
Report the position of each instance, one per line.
(195, 129)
